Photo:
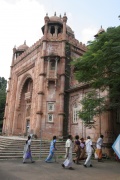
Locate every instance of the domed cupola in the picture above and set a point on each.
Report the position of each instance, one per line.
(55, 25)
(101, 30)
(22, 48)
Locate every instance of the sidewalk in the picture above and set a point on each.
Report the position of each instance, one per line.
(15, 170)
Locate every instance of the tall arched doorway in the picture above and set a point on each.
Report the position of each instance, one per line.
(23, 120)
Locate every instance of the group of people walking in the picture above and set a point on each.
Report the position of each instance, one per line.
(83, 149)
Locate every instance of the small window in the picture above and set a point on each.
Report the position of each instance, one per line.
(50, 106)
(50, 117)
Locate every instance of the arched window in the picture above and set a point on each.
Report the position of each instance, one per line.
(59, 30)
(52, 65)
(50, 110)
(52, 31)
(75, 113)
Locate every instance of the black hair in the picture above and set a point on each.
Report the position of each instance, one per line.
(29, 137)
(69, 136)
(101, 136)
(54, 137)
(82, 139)
(76, 137)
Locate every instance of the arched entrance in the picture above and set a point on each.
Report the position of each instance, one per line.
(23, 120)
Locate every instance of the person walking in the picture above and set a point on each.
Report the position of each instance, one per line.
(99, 148)
(82, 149)
(52, 150)
(77, 149)
(89, 148)
(69, 146)
(27, 150)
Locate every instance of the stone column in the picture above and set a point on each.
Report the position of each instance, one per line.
(62, 85)
(46, 19)
(49, 29)
(64, 27)
(40, 100)
(48, 67)
(62, 78)
(11, 99)
(39, 112)
(8, 108)
(56, 30)
(5, 115)
(56, 62)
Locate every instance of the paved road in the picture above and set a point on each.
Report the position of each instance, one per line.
(15, 170)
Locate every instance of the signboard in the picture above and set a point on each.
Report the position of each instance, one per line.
(116, 146)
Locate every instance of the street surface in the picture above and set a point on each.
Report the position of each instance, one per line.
(16, 170)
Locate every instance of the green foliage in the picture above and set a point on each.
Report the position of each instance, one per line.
(100, 66)
(3, 84)
(92, 105)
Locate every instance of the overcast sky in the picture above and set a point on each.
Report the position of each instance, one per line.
(22, 20)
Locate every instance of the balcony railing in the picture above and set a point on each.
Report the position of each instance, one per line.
(28, 96)
(51, 74)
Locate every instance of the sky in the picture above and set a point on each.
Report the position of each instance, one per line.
(22, 20)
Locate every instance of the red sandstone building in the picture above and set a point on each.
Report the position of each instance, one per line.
(43, 95)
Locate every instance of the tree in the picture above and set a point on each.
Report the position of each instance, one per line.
(3, 84)
(100, 68)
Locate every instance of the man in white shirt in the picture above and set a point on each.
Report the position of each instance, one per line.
(69, 147)
(99, 147)
(89, 148)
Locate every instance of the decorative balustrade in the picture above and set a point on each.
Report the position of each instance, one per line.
(28, 96)
(52, 75)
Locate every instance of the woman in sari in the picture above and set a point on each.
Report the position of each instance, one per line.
(52, 150)
(27, 150)
(82, 147)
(77, 149)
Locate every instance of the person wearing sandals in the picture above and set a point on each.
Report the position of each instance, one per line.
(27, 150)
(77, 149)
(99, 148)
(52, 150)
(89, 148)
(69, 146)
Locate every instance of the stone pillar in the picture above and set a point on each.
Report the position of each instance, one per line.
(56, 30)
(64, 27)
(5, 115)
(39, 112)
(40, 100)
(48, 67)
(56, 64)
(12, 109)
(62, 78)
(49, 29)
(46, 19)
(62, 85)
(7, 122)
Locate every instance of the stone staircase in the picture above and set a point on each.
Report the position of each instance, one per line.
(12, 148)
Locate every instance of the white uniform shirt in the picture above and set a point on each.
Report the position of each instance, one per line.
(88, 144)
(70, 145)
(99, 143)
